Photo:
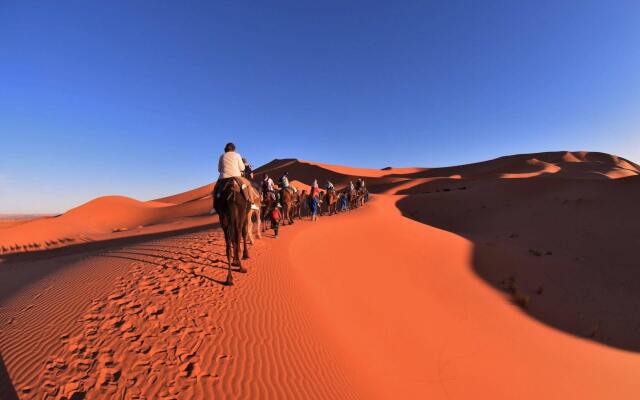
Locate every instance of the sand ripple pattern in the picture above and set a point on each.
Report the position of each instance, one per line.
(170, 330)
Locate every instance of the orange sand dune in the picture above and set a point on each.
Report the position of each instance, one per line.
(300, 186)
(153, 320)
(365, 172)
(530, 168)
(9, 220)
(306, 172)
(573, 240)
(99, 219)
(571, 164)
(403, 302)
(191, 195)
(508, 278)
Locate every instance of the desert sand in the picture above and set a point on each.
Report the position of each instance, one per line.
(509, 278)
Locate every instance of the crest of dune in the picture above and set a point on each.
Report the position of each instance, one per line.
(573, 157)
(100, 218)
(533, 167)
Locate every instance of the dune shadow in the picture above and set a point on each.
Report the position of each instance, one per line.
(209, 278)
(7, 391)
(101, 244)
(168, 256)
(38, 265)
(164, 247)
(438, 185)
(562, 250)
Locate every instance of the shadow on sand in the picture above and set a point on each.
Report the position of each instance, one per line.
(40, 264)
(7, 391)
(564, 250)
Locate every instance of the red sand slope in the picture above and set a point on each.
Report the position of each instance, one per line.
(509, 278)
(152, 319)
(402, 301)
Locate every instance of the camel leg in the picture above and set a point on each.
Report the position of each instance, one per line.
(259, 219)
(245, 250)
(237, 239)
(229, 280)
(250, 226)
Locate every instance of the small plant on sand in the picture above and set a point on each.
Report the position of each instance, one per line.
(521, 300)
(535, 252)
(518, 297)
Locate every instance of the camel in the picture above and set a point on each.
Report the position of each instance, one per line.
(302, 209)
(321, 201)
(353, 199)
(232, 207)
(258, 202)
(302, 198)
(290, 200)
(360, 194)
(268, 203)
(331, 201)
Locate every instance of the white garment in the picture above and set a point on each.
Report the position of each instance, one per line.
(270, 184)
(230, 165)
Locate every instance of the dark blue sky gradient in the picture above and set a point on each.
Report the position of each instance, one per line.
(138, 98)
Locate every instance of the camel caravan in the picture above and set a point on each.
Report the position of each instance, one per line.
(239, 200)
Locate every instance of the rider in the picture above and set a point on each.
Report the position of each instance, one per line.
(314, 200)
(267, 185)
(359, 184)
(351, 188)
(343, 202)
(284, 184)
(330, 187)
(275, 216)
(248, 170)
(230, 166)
(284, 180)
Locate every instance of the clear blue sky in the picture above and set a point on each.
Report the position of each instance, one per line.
(138, 98)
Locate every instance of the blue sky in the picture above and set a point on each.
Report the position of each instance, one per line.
(138, 98)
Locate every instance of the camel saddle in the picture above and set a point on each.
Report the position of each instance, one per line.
(291, 189)
(240, 184)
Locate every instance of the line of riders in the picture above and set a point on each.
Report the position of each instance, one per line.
(316, 201)
(237, 198)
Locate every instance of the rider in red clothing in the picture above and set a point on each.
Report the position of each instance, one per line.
(275, 219)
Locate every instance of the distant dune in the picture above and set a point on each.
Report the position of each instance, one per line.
(100, 218)
(510, 278)
(9, 220)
